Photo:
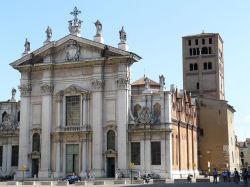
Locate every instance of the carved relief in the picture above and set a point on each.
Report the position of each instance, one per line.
(47, 88)
(97, 84)
(122, 83)
(144, 115)
(8, 125)
(73, 51)
(25, 90)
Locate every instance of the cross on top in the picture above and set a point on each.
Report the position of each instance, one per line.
(75, 13)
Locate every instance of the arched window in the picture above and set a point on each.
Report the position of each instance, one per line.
(190, 52)
(194, 51)
(111, 140)
(137, 109)
(204, 50)
(36, 142)
(157, 113)
(3, 115)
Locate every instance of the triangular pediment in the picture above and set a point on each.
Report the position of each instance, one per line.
(71, 49)
(73, 89)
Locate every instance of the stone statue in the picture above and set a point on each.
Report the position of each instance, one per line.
(13, 93)
(98, 26)
(162, 82)
(26, 46)
(48, 34)
(146, 80)
(123, 35)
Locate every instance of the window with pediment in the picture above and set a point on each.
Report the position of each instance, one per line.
(73, 110)
(157, 113)
(137, 109)
(110, 140)
(36, 142)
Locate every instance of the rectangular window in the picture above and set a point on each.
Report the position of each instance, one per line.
(73, 110)
(155, 153)
(198, 51)
(196, 42)
(210, 40)
(14, 155)
(135, 153)
(205, 66)
(189, 42)
(203, 41)
(1, 156)
(190, 52)
(209, 50)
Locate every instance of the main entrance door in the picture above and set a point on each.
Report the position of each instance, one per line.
(110, 167)
(35, 167)
(72, 159)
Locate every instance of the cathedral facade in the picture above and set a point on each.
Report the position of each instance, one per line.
(80, 113)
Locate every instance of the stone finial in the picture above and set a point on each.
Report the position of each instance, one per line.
(48, 35)
(75, 24)
(98, 37)
(26, 47)
(123, 40)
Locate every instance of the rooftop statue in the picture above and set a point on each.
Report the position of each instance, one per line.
(123, 35)
(98, 26)
(26, 46)
(48, 34)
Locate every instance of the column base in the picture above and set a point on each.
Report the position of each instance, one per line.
(83, 174)
(97, 173)
(20, 175)
(57, 175)
(44, 174)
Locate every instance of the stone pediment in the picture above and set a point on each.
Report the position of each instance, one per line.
(71, 49)
(73, 89)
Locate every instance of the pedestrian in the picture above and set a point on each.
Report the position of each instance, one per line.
(189, 179)
(244, 176)
(236, 176)
(224, 175)
(228, 175)
(215, 175)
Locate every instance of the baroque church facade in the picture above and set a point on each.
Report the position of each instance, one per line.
(80, 113)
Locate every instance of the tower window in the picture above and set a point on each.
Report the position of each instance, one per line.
(209, 50)
(191, 67)
(209, 65)
(210, 40)
(189, 42)
(203, 41)
(196, 42)
(190, 52)
(195, 66)
(197, 86)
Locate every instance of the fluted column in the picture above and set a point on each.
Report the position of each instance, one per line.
(45, 169)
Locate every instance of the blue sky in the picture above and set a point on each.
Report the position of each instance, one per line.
(154, 30)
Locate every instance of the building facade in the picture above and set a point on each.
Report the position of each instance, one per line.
(81, 114)
(9, 135)
(203, 76)
(245, 154)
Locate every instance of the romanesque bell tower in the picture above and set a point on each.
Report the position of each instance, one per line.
(203, 65)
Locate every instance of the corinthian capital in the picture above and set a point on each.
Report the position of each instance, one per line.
(97, 84)
(25, 90)
(122, 82)
(47, 88)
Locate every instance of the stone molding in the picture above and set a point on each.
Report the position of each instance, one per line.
(97, 85)
(25, 90)
(47, 88)
(122, 83)
(111, 125)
